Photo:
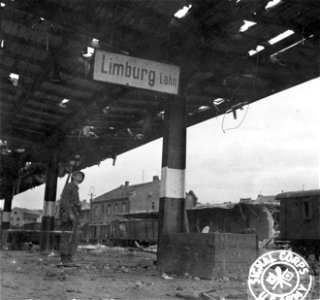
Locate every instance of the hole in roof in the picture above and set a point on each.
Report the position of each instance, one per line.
(2, 44)
(3, 4)
(246, 25)
(218, 101)
(42, 19)
(64, 101)
(106, 109)
(19, 150)
(95, 42)
(111, 128)
(272, 3)
(181, 13)
(3, 142)
(280, 37)
(14, 78)
(203, 108)
(255, 51)
(89, 53)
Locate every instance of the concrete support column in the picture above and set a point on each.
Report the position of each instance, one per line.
(5, 224)
(6, 211)
(172, 188)
(46, 236)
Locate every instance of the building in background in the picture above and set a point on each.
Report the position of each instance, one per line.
(84, 212)
(22, 216)
(130, 199)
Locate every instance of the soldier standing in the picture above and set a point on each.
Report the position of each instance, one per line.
(69, 214)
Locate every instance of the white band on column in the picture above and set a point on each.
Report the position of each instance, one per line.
(172, 183)
(6, 216)
(49, 208)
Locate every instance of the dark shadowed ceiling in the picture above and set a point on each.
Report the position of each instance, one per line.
(45, 59)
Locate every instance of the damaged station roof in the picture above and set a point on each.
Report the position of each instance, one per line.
(230, 53)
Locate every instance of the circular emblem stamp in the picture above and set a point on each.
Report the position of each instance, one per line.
(280, 275)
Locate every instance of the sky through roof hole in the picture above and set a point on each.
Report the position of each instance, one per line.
(14, 78)
(272, 3)
(89, 52)
(257, 50)
(280, 37)
(181, 13)
(246, 25)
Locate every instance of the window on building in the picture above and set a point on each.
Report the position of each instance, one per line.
(15, 212)
(307, 212)
(153, 206)
(18, 219)
(116, 208)
(109, 210)
(123, 207)
(102, 210)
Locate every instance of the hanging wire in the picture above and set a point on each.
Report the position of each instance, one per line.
(231, 128)
(252, 93)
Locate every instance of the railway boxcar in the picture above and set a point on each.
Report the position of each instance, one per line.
(128, 231)
(300, 220)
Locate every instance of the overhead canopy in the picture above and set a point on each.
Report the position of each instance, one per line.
(50, 102)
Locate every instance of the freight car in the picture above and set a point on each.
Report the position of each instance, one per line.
(126, 232)
(300, 221)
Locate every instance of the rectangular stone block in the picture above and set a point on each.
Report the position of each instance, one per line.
(207, 255)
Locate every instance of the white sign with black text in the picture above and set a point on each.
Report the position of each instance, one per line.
(136, 72)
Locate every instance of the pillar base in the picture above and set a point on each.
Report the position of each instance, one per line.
(47, 236)
(4, 239)
(207, 255)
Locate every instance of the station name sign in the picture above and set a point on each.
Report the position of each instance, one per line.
(136, 72)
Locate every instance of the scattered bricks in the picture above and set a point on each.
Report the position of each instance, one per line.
(196, 278)
(166, 277)
(62, 276)
(225, 279)
(150, 283)
(51, 274)
(188, 295)
(138, 284)
(206, 296)
(237, 296)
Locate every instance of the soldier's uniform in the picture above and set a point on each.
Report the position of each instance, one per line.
(69, 215)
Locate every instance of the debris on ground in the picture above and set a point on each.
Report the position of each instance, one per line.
(116, 273)
(166, 277)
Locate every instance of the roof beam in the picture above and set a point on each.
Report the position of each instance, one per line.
(69, 77)
(41, 113)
